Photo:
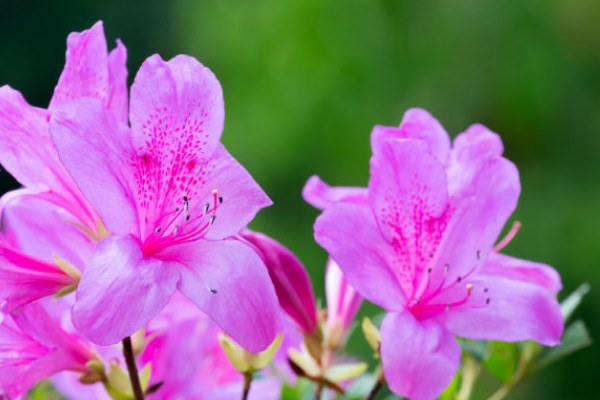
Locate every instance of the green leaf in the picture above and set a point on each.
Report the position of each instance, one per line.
(478, 349)
(503, 360)
(574, 338)
(300, 391)
(361, 386)
(570, 304)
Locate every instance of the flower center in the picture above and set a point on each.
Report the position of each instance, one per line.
(447, 294)
(180, 226)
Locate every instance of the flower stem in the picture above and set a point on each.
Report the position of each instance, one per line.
(377, 387)
(247, 381)
(509, 386)
(132, 368)
(319, 390)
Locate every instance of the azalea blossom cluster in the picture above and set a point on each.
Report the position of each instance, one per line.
(127, 269)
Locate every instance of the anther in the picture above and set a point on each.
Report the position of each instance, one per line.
(459, 279)
(448, 307)
(417, 301)
(176, 229)
(486, 290)
(429, 270)
(487, 301)
(185, 198)
(478, 254)
(206, 207)
(187, 217)
(158, 229)
(213, 291)
(212, 219)
(446, 268)
(220, 199)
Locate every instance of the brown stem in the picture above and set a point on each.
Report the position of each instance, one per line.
(377, 387)
(319, 390)
(138, 394)
(247, 382)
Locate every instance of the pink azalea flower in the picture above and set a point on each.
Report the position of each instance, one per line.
(421, 247)
(290, 279)
(26, 148)
(33, 347)
(171, 195)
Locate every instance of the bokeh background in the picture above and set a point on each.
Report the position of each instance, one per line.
(305, 81)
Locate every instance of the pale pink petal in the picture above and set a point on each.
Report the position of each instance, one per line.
(176, 105)
(177, 117)
(470, 150)
(416, 124)
(350, 234)
(97, 152)
(26, 149)
(34, 347)
(120, 290)
(409, 199)
(478, 217)
(501, 308)
(240, 197)
(342, 300)
(43, 230)
(117, 82)
(320, 195)
(86, 68)
(229, 282)
(419, 358)
(523, 270)
(289, 278)
(24, 279)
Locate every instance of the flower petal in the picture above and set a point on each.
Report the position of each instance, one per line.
(89, 72)
(342, 300)
(241, 196)
(523, 270)
(96, 151)
(117, 82)
(409, 199)
(419, 358)
(501, 308)
(350, 234)
(228, 281)
(480, 212)
(26, 149)
(43, 230)
(24, 279)
(289, 278)
(320, 195)
(470, 150)
(120, 291)
(180, 98)
(416, 124)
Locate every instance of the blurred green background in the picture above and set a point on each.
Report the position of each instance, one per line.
(305, 81)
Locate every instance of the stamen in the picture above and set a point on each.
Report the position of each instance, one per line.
(158, 229)
(206, 207)
(213, 291)
(212, 219)
(220, 199)
(508, 238)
